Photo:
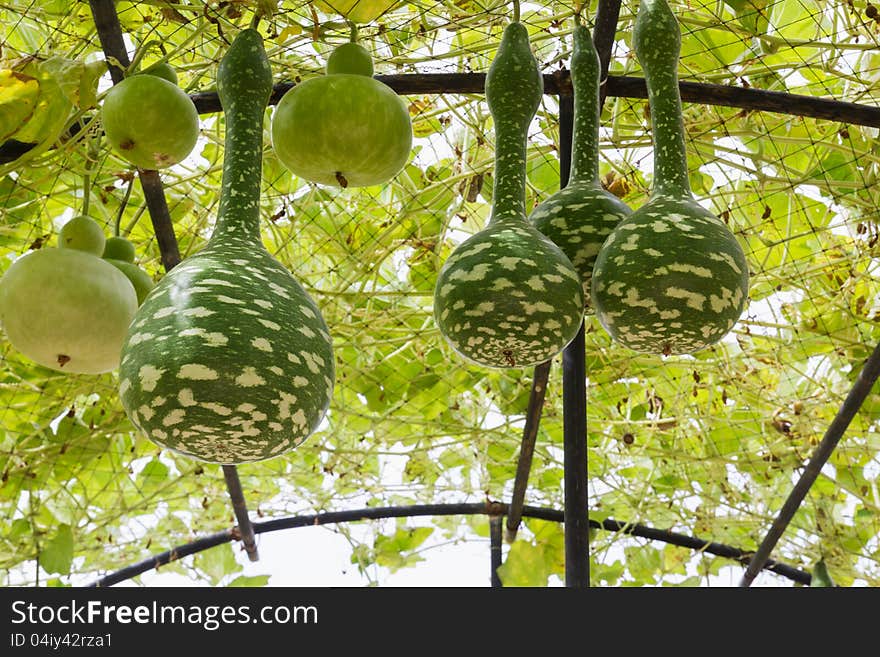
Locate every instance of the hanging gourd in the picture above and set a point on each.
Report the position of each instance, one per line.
(507, 296)
(120, 253)
(581, 215)
(343, 128)
(148, 120)
(671, 278)
(66, 308)
(229, 360)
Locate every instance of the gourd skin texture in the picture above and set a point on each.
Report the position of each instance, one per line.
(228, 359)
(507, 296)
(67, 310)
(149, 121)
(672, 278)
(344, 129)
(579, 217)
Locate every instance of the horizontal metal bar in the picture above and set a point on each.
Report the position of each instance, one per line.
(418, 510)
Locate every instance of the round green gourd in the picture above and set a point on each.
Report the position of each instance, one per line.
(162, 70)
(66, 309)
(344, 128)
(229, 360)
(580, 216)
(119, 248)
(507, 296)
(83, 234)
(352, 58)
(150, 122)
(671, 278)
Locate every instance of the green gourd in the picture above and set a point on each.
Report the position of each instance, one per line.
(507, 296)
(580, 216)
(141, 281)
(66, 309)
(83, 234)
(229, 360)
(671, 278)
(344, 128)
(118, 248)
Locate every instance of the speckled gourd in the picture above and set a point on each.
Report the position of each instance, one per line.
(671, 278)
(229, 360)
(507, 296)
(581, 215)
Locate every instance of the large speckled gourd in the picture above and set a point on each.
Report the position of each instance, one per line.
(671, 278)
(507, 296)
(580, 216)
(229, 360)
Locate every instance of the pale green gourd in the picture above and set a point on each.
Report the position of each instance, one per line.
(671, 278)
(228, 359)
(507, 296)
(580, 216)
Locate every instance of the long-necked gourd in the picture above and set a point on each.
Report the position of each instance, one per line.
(581, 215)
(507, 296)
(229, 360)
(671, 278)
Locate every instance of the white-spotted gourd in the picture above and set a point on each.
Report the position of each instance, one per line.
(508, 296)
(581, 215)
(671, 278)
(229, 360)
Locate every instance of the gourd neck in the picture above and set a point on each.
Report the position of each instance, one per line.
(244, 98)
(585, 72)
(509, 184)
(514, 87)
(657, 44)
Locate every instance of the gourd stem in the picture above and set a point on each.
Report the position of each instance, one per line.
(516, 11)
(91, 158)
(657, 44)
(353, 31)
(139, 54)
(117, 225)
(87, 184)
(585, 80)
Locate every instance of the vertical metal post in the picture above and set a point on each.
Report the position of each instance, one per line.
(574, 407)
(495, 549)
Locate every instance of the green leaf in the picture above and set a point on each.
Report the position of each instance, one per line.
(154, 475)
(217, 563)
(820, 575)
(249, 581)
(56, 556)
(524, 566)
